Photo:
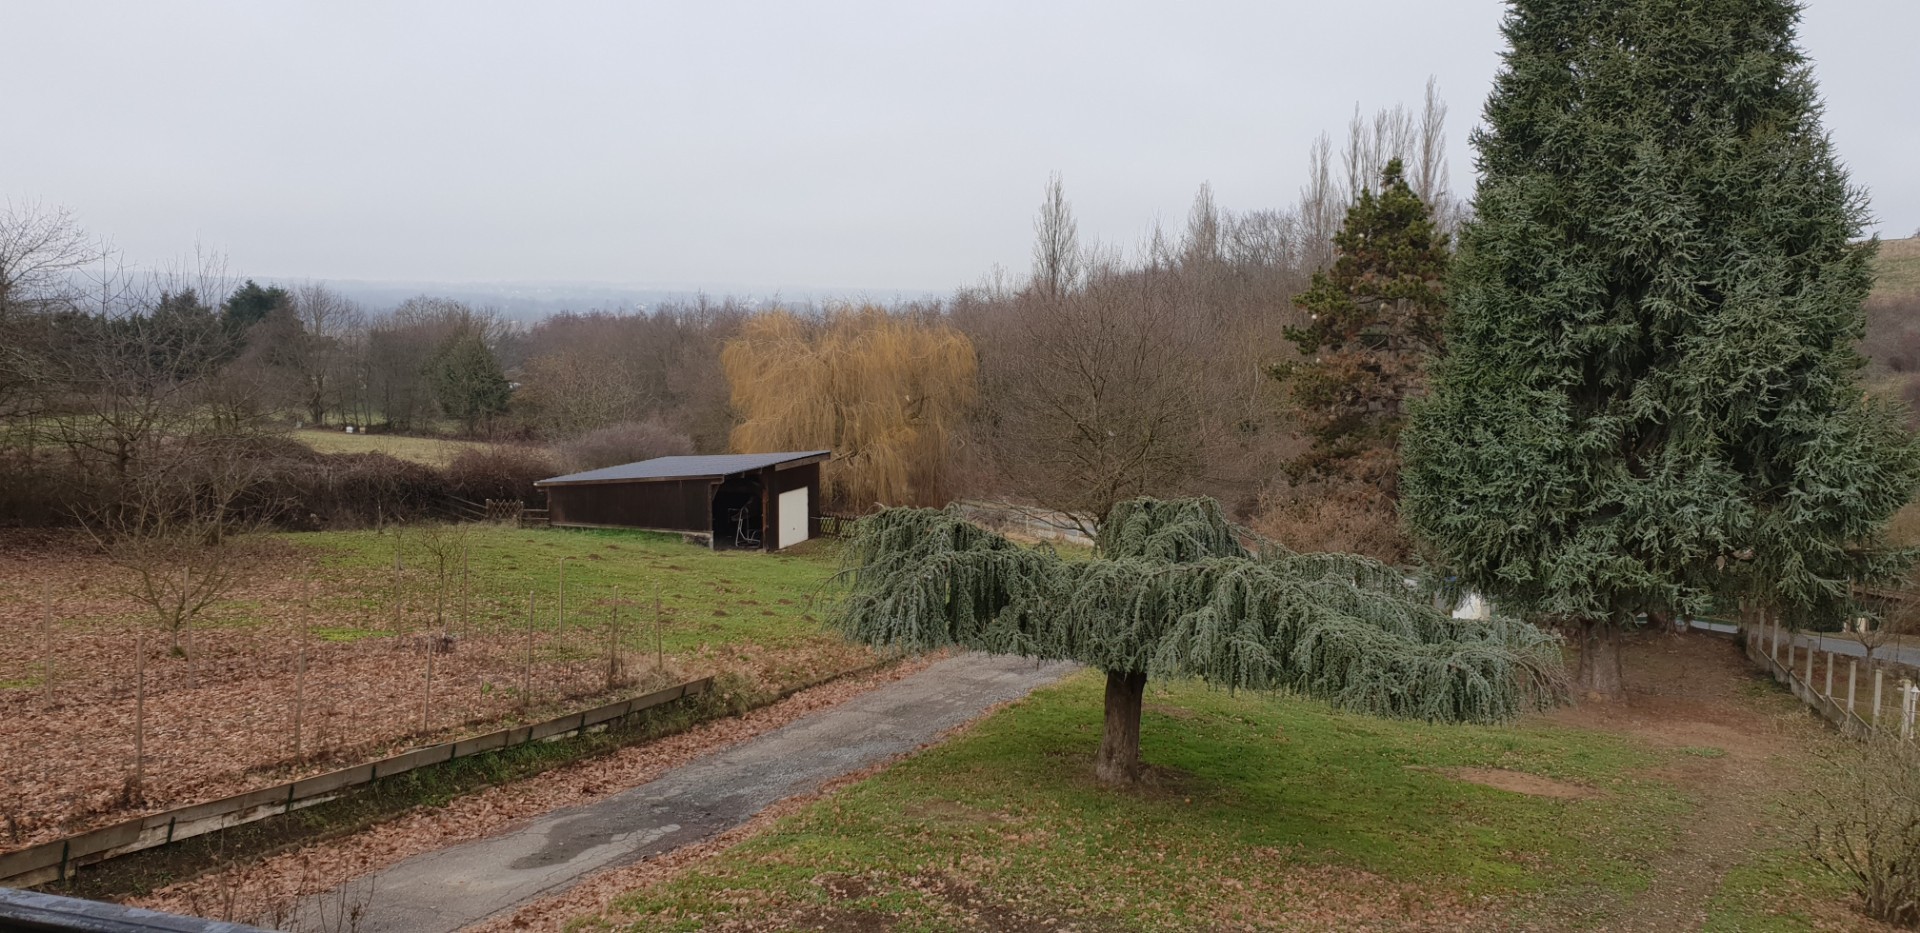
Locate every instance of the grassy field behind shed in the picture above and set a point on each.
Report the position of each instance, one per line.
(432, 451)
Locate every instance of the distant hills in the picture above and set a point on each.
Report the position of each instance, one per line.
(530, 301)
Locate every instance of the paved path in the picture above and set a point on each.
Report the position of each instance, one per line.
(451, 888)
(1844, 646)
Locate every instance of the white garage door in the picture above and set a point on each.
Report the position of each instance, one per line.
(793, 517)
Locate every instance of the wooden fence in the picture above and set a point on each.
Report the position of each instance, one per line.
(1859, 699)
(837, 526)
(51, 861)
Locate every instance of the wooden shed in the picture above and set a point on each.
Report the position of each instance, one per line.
(758, 501)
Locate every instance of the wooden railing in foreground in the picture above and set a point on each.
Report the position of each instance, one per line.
(33, 910)
(53, 861)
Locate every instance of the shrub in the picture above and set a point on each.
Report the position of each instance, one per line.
(1334, 515)
(498, 472)
(346, 490)
(46, 491)
(1865, 827)
(623, 443)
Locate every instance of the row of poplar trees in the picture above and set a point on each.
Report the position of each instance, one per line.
(1633, 389)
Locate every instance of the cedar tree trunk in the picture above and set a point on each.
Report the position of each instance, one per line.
(1118, 761)
(1599, 675)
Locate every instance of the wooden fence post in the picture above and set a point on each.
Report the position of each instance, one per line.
(526, 677)
(396, 583)
(1853, 671)
(46, 643)
(466, 592)
(613, 640)
(1878, 676)
(426, 699)
(140, 709)
(185, 633)
(300, 668)
(1829, 675)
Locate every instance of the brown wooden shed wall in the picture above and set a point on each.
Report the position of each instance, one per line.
(661, 505)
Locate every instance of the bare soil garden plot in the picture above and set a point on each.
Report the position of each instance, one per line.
(221, 719)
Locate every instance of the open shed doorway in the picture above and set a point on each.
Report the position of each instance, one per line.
(739, 514)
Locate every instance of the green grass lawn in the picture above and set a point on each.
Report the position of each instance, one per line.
(1253, 794)
(736, 605)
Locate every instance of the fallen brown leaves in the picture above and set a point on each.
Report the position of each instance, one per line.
(267, 887)
(221, 720)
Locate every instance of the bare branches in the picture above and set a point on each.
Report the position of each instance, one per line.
(1057, 263)
(175, 532)
(1864, 826)
(40, 250)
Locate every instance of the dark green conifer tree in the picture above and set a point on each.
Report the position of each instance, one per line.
(1649, 394)
(250, 304)
(468, 381)
(1375, 322)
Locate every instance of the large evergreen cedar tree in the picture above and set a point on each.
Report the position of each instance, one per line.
(1172, 593)
(1649, 394)
(1375, 319)
(885, 392)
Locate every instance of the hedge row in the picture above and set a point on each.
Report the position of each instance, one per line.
(287, 483)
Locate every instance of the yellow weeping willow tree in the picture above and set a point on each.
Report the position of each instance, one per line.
(884, 391)
(1173, 593)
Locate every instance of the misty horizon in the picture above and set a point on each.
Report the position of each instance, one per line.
(860, 148)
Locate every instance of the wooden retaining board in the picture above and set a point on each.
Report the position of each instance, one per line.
(52, 861)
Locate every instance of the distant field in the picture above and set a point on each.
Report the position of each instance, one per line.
(1898, 267)
(432, 451)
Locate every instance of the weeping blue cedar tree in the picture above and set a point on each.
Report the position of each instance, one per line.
(1649, 399)
(1172, 593)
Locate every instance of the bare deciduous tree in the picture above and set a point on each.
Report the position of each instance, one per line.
(1057, 263)
(1101, 396)
(317, 353)
(41, 250)
(177, 532)
(1321, 206)
(127, 371)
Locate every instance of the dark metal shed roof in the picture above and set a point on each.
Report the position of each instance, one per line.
(702, 467)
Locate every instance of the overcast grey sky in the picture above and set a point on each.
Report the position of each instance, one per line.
(885, 145)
